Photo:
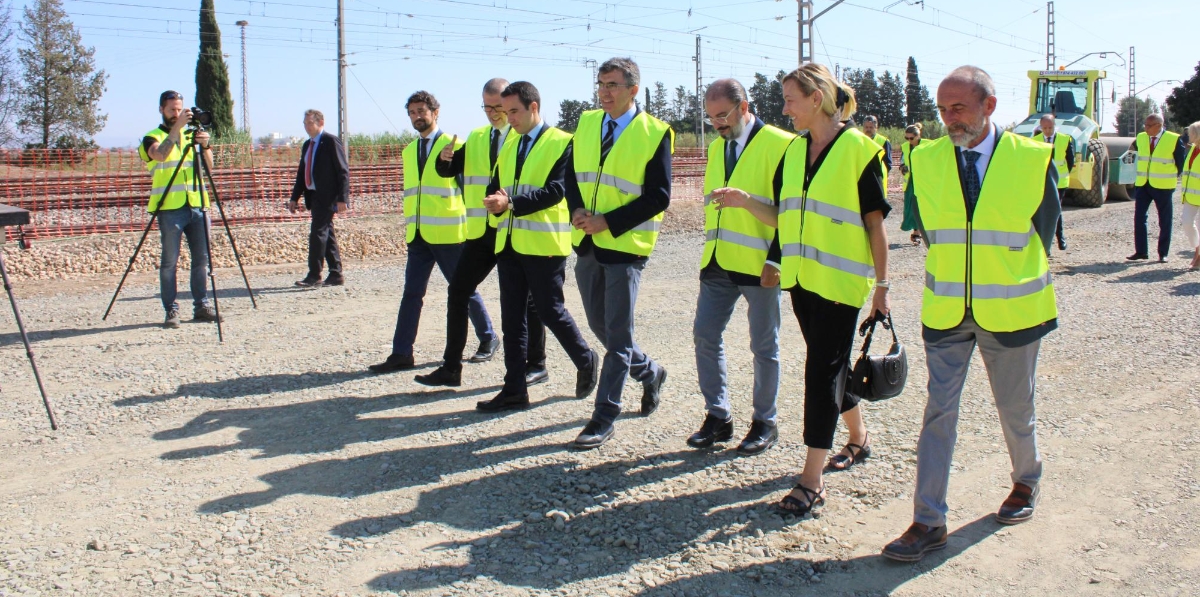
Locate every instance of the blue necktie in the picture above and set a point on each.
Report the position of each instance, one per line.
(971, 178)
(522, 150)
(731, 160)
(607, 142)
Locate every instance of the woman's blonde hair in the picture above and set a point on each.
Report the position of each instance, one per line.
(1193, 131)
(914, 129)
(837, 99)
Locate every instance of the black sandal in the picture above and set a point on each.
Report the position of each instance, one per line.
(791, 505)
(841, 462)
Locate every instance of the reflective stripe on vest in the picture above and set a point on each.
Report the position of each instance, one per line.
(882, 141)
(821, 233)
(733, 236)
(547, 232)
(184, 190)
(432, 204)
(477, 175)
(1060, 143)
(1158, 167)
(619, 181)
(1191, 176)
(994, 264)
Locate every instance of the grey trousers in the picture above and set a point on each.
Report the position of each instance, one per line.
(609, 293)
(714, 307)
(1012, 373)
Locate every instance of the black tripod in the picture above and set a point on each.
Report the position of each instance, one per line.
(21, 327)
(202, 173)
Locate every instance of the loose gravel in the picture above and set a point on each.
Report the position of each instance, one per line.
(273, 465)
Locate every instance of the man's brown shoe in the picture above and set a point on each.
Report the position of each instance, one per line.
(917, 541)
(1019, 506)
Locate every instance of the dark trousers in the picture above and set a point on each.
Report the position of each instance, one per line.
(477, 261)
(828, 330)
(322, 244)
(422, 256)
(523, 277)
(1058, 232)
(1143, 197)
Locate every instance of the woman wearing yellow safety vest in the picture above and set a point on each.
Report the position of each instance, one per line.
(912, 138)
(830, 223)
(1191, 194)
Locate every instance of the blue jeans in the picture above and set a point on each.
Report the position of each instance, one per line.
(422, 256)
(175, 224)
(718, 298)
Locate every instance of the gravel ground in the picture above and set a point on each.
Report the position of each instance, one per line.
(188, 467)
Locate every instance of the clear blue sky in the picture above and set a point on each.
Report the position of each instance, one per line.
(450, 47)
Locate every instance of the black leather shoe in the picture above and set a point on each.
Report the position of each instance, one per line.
(1019, 506)
(486, 351)
(534, 377)
(440, 377)
(713, 430)
(652, 392)
(594, 434)
(1062, 245)
(503, 401)
(310, 282)
(392, 364)
(1164, 258)
(334, 280)
(588, 377)
(1137, 257)
(762, 436)
(917, 541)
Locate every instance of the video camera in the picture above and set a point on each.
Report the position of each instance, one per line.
(200, 118)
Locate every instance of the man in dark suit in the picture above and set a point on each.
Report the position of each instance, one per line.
(324, 179)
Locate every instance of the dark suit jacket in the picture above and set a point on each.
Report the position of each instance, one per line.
(331, 175)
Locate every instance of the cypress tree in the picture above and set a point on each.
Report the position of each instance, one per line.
(212, 75)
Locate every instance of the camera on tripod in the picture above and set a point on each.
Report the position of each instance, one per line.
(200, 118)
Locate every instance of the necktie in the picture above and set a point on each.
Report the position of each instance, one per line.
(422, 154)
(521, 151)
(731, 160)
(494, 149)
(312, 149)
(607, 142)
(971, 178)
(1153, 144)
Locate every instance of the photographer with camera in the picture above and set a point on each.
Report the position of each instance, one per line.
(176, 199)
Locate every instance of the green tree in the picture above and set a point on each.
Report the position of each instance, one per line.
(684, 110)
(766, 100)
(891, 101)
(569, 112)
(658, 106)
(919, 105)
(1126, 123)
(212, 74)
(1185, 101)
(9, 83)
(60, 87)
(866, 92)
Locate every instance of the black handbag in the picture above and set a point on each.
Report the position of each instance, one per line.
(878, 377)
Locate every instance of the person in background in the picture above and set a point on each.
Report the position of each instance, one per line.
(912, 138)
(870, 128)
(323, 179)
(1159, 162)
(1191, 194)
(1064, 162)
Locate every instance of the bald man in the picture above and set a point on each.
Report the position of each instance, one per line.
(1160, 160)
(1064, 162)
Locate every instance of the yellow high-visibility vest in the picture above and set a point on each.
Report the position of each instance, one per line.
(477, 175)
(184, 188)
(619, 181)
(737, 239)
(906, 150)
(546, 232)
(1191, 176)
(432, 204)
(995, 263)
(1157, 167)
(821, 231)
(882, 141)
(1060, 143)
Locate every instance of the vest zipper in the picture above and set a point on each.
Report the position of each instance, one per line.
(970, 256)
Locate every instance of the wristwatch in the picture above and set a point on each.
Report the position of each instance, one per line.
(883, 284)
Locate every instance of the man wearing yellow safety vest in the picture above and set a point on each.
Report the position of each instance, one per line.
(870, 128)
(987, 203)
(618, 186)
(475, 161)
(526, 198)
(175, 197)
(741, 259)
(1160, 155)
(1064, 163)
(435, 221)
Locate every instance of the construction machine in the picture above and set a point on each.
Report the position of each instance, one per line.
(1103, 166)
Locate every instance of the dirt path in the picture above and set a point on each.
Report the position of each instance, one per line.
(185, 467)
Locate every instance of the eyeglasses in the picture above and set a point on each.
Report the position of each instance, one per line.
(907, 138)
(610, 87)
(722, 118)
(493, 109)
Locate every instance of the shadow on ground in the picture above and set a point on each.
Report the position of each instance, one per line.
(240, 387)
(14, 338)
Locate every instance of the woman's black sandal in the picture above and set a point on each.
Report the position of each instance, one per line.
(791, 505)
(841, 462)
